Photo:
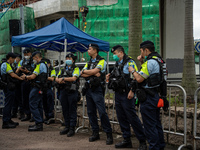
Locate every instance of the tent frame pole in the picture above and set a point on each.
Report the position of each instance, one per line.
(65, 50)
(108, 62)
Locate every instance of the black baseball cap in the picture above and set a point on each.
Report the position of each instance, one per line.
(72, 56)
(116, 47)
(36, 52)
(94, 46)
(10, 54)
(146, 44)
(26, 50)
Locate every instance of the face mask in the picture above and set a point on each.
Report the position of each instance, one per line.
(116, 58)
(27, 57)
(145, 58)
(34, 61)
(15, 61)
(68, 62)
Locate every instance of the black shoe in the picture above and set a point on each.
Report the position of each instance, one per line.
(30, 126)
(49, 121)
(64, 131)
(7, 125)
(21, 116)
(109, 140)
(14, 115)
(31, 120)
(28, 117)
(36, 127)
(15, 123)
(143, 146)
(126, 143)
(95, 136)
(71, 132)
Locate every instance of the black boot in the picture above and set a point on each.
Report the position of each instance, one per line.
(143, 146)
(71, 132)
(95, 136)
(28, 117)
(109, 140)
(64, 131)
(31, 120)
(7, 125)
(36, 127)
(15, 123)
(126, 143)
(21, 115)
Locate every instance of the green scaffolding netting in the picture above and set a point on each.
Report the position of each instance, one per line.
(29, 25)
(111, 23)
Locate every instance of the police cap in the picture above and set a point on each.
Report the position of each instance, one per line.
(71, 55)
(116, 47)
(18, 55)
(36, 52)
(94, 46)
(146, 44)
(10, 54)
(26, 50)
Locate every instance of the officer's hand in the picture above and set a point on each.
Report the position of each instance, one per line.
(130, 94)
(23, 76)
(107, 77)
(130, 69)
(98, 74)
(140, 58)
(26, 70)
(60, 80)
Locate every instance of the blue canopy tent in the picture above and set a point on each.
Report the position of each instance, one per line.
(59, 36)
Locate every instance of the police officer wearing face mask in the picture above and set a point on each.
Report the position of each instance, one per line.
(94, 74)
(18, 97)
(48, 96)
(38, 78)
(149, 78)
(68, 79)
(8, 76)
(25, 66)
(119, 80)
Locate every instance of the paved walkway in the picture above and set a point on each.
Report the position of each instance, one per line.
(20, 139)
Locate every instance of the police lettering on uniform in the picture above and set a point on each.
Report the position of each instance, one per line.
(68, 79)
(10, 78)
(149, 79)
(48, 96)
(18, 98)
(25, 66)
(119, 81)
(94, 74)
(38, 78)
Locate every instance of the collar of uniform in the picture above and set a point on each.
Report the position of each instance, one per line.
(120, 62)
(93, 60)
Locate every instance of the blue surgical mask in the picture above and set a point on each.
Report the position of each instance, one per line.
(145, 58)
(116, 58)
(15, 62)
(68, 62)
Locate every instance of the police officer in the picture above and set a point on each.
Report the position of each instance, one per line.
(124, 100)
(48, 96)
(18, 98)
(94, 73)
(39, 77)
(26, 66)
(149, 74)
(8, 76)
(68, 78)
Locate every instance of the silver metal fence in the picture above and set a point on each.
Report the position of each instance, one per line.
(195, 137)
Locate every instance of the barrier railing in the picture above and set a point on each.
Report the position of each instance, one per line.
(169, 131)
(195, 137)
(184, 134)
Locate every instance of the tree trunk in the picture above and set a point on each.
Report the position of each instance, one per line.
(189, 81)
(135, 28)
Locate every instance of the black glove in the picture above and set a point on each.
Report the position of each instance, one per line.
(166, 104)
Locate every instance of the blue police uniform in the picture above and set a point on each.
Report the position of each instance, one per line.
(95, 100)
(68, 98)
(25, 91)
(125, 108)
(48, 98)
(9, 94)
(149, 110)
(35, 98)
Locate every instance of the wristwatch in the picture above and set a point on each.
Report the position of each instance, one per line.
(25, 77)
(133, 71)
(63, 79)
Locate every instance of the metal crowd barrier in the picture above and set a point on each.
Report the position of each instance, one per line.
(195, 137)
(184, 134)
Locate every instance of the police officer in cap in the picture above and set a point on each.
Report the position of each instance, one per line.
(26, 66)
(8, 76)
(149, 73)
(119, 81)
(94, 74)
(68, 79)
(39, 77)
(18, 97)
(48, 96)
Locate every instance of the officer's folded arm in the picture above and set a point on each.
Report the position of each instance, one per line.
(70, 79)
(12, 74)
(30, 77)
(91, 72)
(138, 77)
